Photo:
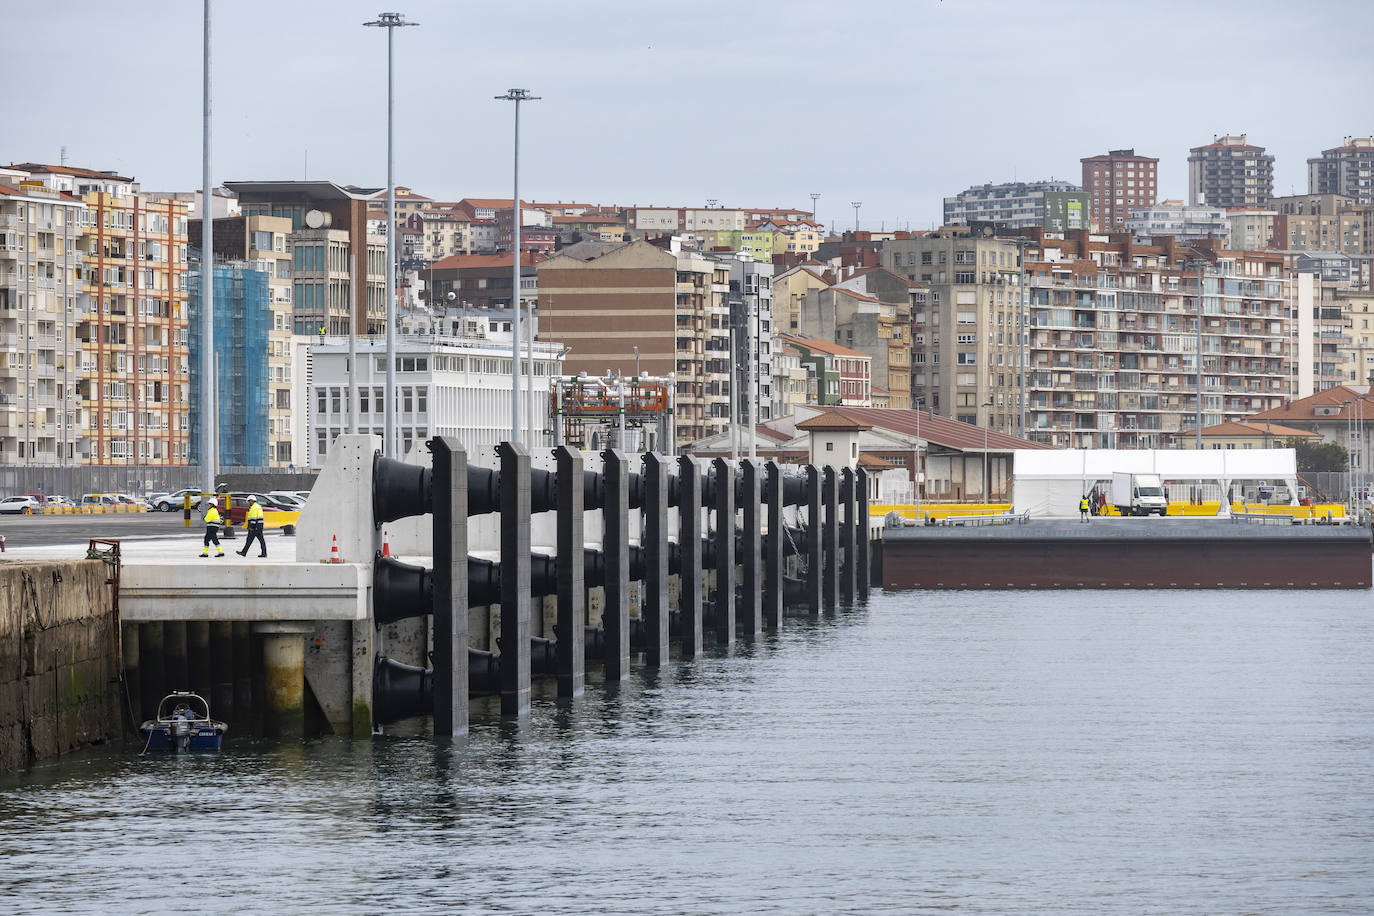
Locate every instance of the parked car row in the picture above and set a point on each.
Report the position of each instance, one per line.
(39, 503)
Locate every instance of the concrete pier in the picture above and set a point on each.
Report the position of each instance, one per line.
(283, 677)
(849, 527)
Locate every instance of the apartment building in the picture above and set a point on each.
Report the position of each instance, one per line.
(671, 303)
(1053, 205)
(1113, 342)
(870, 312)
(1252, 228)
(964, 348)
(844, 376)
(444, 229)
(42, 301)
(751, 308)
(790, 289)
(1323, 222)
(479, 281)
(1347, 169)
(1116, 183)
(1174, 217)
(338, 267)
(1230, 172)
(263, 243)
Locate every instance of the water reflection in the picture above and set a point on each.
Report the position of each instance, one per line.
(1041, 751)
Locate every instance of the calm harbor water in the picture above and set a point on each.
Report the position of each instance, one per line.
(975, 752)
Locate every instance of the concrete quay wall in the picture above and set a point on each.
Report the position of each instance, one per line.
(59, 671)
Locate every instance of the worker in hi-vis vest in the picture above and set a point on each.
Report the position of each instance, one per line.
(212, 521)
(254, 528)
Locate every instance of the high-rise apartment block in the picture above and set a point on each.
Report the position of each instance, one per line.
(338, 268)
(1053, 205)
(1173, 217)
(1346, 169)
(964, 346)
(1230, 172)
(671, 303)
(42, 301)
(1114, 336)
(1116, 183)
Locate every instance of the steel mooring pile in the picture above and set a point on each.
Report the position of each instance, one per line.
(828, 545)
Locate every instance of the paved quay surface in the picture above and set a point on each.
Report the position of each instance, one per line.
(144, 538)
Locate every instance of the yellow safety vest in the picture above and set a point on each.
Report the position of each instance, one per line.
(254, 512)
(212, 516)
(1083, 504)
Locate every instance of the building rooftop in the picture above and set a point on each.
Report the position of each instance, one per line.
(937, 430)
(822, 346)
(67, 170)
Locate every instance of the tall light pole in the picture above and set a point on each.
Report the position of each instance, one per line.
(391, 22)
(1201, 267)
(987, 478)
(814, 197)
(207, 285)
(517, 96)
(856, 204)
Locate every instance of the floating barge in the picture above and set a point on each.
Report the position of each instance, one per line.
(1127, 553)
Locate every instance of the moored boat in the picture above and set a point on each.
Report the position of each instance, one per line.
(183, 723)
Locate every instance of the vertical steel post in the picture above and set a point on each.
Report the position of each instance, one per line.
(725, 550)
(615, 546)
(830, 498)
(689, 556)
(572, 590)
(814, 559)
(861, 513)
(654, 603)
(773, 546)
(515, 579)
(849, 535)
(751, 613)
(450, 508)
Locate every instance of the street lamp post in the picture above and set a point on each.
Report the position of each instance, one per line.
(391, 22)
(987, 478)
(856, 204)
(517, 96)
(208, 452)
(814, 197)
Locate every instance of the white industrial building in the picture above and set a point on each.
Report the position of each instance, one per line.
(453, 378)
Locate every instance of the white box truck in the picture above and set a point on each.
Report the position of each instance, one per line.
(1138, 494)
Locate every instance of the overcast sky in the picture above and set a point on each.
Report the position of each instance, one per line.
(895, 103)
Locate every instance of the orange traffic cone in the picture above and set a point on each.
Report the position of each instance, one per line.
(334, 550)
(386, 543)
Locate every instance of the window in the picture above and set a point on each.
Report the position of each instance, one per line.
(830, 446)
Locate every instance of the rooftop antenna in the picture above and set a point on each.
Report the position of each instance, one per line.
(305, 171)
(62, 157)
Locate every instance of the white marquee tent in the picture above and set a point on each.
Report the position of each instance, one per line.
(1050, 483)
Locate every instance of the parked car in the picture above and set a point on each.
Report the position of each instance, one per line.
(238, 509)
(21, 505)
(97, 499)
(288, 499)
(171, 502)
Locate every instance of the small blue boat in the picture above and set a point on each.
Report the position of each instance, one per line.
(183, 723)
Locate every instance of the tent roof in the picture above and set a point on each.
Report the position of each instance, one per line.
(1170, 463)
